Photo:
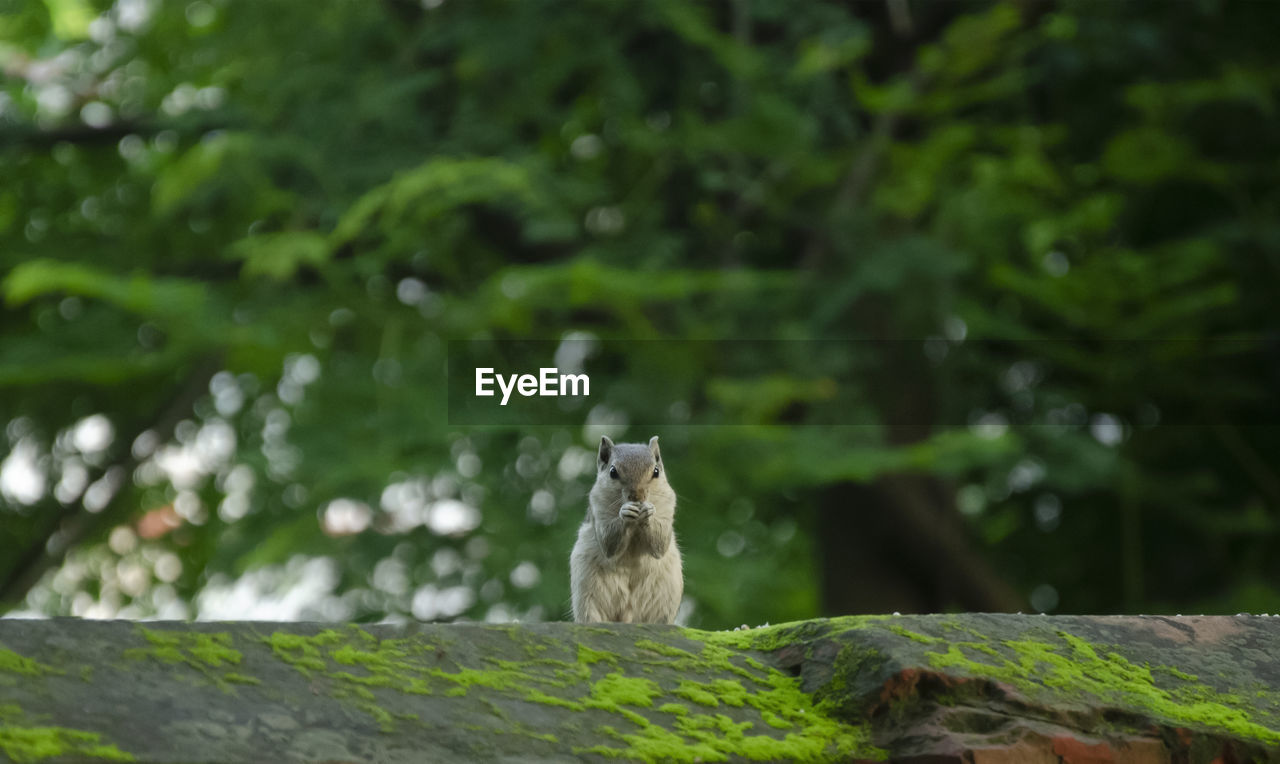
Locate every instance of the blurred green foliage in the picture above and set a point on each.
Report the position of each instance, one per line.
(243, 233)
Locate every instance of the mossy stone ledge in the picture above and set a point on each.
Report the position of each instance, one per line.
(938, 688)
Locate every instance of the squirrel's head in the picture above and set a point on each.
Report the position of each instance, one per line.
(632, 472)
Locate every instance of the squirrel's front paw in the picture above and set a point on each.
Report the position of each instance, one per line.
(636, 511)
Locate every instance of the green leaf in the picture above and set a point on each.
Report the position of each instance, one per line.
(1146, 155)
(181, 180)
(139, 293)
(70, 18)
(280, 255)
(431, 189)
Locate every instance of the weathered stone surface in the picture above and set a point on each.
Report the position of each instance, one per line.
(983, 689)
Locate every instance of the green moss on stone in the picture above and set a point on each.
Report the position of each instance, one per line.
(729, 691)
(538, 696)
(727, 728)
(616, 688)
(402, 665)
(33, 744)
(24, 743)
(913, 636)
(14, 664)
(834, 697)
(211, 649)
(953, 624)
(697, 693)
(584, 677)
(717, 737)
(201, 652)
(302, 652)
(588, 656)
(667, 650)
(389, 663)
(765, 639)
(528, 642)
(776, 698)
(1173, 672)
(1073, 666)
(771, 638)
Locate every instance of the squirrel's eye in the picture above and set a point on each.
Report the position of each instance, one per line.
(655, 471)
(613, 472)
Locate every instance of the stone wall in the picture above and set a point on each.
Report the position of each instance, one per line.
(948, 688)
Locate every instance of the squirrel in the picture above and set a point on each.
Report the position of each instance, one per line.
(625, 565)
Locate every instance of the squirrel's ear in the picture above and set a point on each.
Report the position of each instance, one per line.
(606, 450)
(653, 447)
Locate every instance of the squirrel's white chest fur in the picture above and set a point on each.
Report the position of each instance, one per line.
(631, 587)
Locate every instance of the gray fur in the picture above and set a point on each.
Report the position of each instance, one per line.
(625, 565)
